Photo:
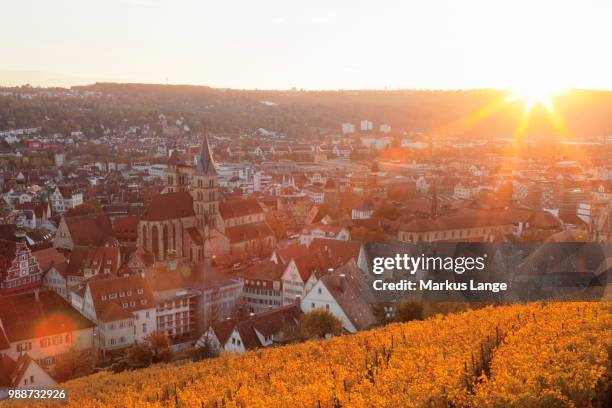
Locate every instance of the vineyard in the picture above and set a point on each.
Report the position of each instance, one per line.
(542, 354)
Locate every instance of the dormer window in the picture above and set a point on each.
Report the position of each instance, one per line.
(140, 291)
(103, 297)
(112, 296)
(122, 294)
(143, 301)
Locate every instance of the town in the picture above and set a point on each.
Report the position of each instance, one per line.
(146, 234)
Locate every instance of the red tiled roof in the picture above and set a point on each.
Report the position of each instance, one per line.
(100, 259)
(121, 291)
(239, 208)
(126, 228)
(247, 232)
(169, 206)
(47, 257)
(23, 317)
(91, 229)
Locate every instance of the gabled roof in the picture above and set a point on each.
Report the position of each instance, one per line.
(121, 291)
(169, 206)
(239, 208)
(268, 323)
(284, 255)
(97, 258)
(247, 232)
(48, 257)
(350, 295)
(90, 229)
(23, 317)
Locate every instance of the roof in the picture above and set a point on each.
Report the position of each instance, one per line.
(205, 165)
(247, 232)
(268, 323)
(265, 270)
(99, 259)
(116, 297)
(48, 257)
(544, 220)
(23, 317)
(169, 206)
(239, 208)
(339, 252)
(126, 227)
(90, 229)
(350, 296)
(285, 254)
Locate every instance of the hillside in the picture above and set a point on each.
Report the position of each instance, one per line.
(539, 354)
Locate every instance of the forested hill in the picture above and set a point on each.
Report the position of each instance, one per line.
(477, 112)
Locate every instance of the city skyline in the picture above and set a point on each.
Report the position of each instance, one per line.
(548, 46)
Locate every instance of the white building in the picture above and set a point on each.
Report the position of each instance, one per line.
(384, 128)
(43, 325)
(366, 125)
(123, 308)
(348, 128)
(64, 198)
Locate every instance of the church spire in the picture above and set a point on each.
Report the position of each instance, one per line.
(205, 165)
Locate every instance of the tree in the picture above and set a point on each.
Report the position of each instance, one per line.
(140, 355)
(91, 206)
(160, 347)
(407, 311)
(388, 211)
(75, 363)
(319, 323)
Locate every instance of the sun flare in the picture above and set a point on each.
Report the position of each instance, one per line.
(534, 95)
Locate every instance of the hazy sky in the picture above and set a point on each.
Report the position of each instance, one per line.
(309, 44)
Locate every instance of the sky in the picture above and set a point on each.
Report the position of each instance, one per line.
(332, 44)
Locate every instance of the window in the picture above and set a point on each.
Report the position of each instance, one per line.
(312, 305)
(320, 291)
(45, 342)
(144, 327)
(125, 305)
(140, 291)
(147, 315)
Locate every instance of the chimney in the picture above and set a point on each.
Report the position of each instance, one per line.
(36, 295)
(251, 315)
(298, 300)
(342, 278)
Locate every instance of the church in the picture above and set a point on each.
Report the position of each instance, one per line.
(184, 222)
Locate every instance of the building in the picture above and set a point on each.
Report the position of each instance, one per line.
(19, 268)
(185, 220)
(64, 198)
(123, 308)
(262, 288)
(363, 210)
(84, 230)
(43, 325)
(323, 231)
(342, 292)
(348, 128)
(258, 331)
(366, 126)
(176, 304)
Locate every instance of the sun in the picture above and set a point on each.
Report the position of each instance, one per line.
(534, 95)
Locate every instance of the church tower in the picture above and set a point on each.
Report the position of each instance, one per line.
(204, 188)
